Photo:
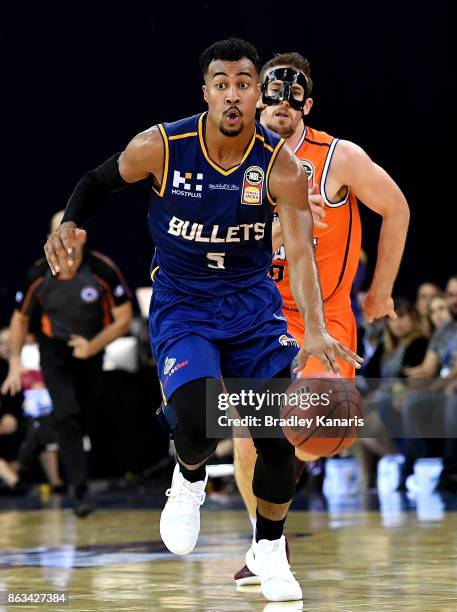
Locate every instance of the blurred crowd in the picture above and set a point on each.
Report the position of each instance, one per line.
(408, 380)
(409, 383)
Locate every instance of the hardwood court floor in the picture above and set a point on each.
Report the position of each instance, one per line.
(114, 561)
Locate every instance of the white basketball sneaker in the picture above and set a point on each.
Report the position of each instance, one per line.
(180, 518)
(268, 559)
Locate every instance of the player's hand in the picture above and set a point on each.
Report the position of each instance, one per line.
(82, 348)
(60, 245)
(319, 344)
(377, 306)
(12, 383)
(316, 203)
(8, 424)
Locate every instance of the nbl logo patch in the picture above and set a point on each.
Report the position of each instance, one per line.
(309, 169)
(251, 193)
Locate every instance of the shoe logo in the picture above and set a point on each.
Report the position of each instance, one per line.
(169, 363)
(286, 341)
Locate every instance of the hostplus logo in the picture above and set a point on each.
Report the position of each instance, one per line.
(184, 186)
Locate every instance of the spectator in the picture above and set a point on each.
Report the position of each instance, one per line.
(10, 418)
(80, 313)
(403, 345)
(439, 311)
(430, 415)
(425, 292)
(41, 438)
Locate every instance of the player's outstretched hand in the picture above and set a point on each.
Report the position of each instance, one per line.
(319, 344)
(316, 203)
(378, 306)
(59, 247)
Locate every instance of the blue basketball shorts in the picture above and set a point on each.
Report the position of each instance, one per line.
(242, 335)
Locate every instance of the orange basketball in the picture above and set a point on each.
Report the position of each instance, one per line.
(322, 414)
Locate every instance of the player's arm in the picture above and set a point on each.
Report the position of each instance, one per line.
(19, 327)
(352, 167)
(316, 204)
(288, 186)
(143, 157)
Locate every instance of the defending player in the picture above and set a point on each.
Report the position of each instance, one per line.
(214, 311)
(338, 172)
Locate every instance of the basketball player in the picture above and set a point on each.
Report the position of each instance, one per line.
(338, 172)
(214, 311)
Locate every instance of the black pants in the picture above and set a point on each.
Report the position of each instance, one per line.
(75, 389)
(274, 473)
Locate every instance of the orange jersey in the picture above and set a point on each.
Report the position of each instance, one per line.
(337, 247)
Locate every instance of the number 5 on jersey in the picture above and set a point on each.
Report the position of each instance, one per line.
(217, 260)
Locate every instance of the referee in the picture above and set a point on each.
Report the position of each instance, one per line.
(79, 313)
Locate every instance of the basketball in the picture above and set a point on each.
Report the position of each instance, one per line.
(322, 414)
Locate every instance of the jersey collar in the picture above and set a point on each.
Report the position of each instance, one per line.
(208, 158)
(302, 139)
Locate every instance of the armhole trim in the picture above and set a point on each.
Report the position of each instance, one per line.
(328, 161)
(270, 166)
(166, 160)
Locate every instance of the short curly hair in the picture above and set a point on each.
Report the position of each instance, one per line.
(230, 50)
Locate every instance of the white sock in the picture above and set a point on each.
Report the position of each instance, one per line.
(253, 523)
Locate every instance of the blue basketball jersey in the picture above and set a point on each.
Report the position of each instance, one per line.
(211, 227)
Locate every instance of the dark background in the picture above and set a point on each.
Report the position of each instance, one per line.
(81, 78)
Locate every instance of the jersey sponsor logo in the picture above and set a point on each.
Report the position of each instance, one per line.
(119, 291)
(170, 367)
(309, 169)
(169, 363)
(89, 294)
(19, 297)
(197, 232)
(183, 186)
(252, 186)
(286, 341)
(224, 186)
